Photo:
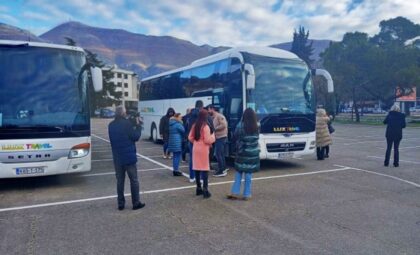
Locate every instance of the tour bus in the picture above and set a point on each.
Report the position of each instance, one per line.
(273, 82)
(44, 109)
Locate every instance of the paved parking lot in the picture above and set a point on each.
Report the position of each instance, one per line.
(347, 204)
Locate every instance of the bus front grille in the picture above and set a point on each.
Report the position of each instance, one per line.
(285, 147)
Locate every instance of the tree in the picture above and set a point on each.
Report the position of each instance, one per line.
(369, 68)
(70, 41)
(108, 96)
(396, 31)
(301, 47)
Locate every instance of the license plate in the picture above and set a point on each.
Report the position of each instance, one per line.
(283, 155)
(30, 170)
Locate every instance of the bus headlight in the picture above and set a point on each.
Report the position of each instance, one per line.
(312, 145)
(80, 150)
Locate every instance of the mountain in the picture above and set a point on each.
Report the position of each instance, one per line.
(318, 45)
(144, 54)
(8, 32)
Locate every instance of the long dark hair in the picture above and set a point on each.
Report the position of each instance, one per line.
(250, 122)
(200, 123)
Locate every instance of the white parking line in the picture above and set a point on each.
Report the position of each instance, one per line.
(378, 141)
(412, 147)
(385, 175)
(140, 170)
(407, 161)
(167, 190)
(99, 160)
(147, 158)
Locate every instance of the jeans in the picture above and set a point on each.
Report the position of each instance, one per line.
(203, 175)
(184, 150)
(176, 160)
(165, 148)
(192, 174)
(389, 143)
(220, 154)
(236, 188)
(134, 183)
(327, 150)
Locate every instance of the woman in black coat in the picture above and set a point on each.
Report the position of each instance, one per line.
(395, 121)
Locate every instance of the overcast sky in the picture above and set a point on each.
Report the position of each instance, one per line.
(214, 22)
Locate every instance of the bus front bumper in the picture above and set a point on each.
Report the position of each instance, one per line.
(62, 165)
(279, 146)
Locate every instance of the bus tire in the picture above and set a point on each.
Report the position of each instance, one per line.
(153, 133)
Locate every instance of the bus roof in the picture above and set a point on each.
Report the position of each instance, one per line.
(262, 51)
(42, 45)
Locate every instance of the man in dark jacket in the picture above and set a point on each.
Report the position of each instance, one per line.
(395, 121)
(123, 136)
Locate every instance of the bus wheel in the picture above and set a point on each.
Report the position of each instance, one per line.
(153, 132)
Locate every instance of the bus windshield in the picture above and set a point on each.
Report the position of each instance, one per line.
(281, 86)
(42, 90)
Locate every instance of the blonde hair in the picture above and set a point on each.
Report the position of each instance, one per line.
(321, 112)
(395, 108)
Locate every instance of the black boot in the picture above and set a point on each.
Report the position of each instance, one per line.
(206, 194)
(199, 191)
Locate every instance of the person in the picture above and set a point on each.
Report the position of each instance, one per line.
(323, 137)
(190, 122)
(123, 135)
(331, 130)
(164, 130)
(395, 121)
(221, 132)
(185, 146)
(201, 138)
(176, 134)
(247, 160)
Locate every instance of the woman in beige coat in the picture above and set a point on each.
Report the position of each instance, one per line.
(323, 137)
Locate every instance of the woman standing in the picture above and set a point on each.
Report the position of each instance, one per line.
(202, 139)
(176, 135)
(323, 138)
(164, 130)
(395, 121)
(247, 159)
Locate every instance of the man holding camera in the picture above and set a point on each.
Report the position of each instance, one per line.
(123, 135)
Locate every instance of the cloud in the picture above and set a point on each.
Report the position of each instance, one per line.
(227, 22)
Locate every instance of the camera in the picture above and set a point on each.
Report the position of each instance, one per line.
(132, 116)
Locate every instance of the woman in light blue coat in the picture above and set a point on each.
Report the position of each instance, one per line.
(176, 134)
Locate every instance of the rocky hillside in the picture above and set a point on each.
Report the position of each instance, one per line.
(144, 54)
(8, 32)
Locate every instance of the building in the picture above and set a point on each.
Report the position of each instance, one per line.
(126, 82)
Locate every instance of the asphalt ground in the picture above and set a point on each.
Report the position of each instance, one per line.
(347, 204)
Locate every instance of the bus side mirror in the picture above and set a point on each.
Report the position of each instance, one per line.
(327, 76)
(249, 76)
(96, 73)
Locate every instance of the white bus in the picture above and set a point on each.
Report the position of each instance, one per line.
(44, 109)
(275, 83)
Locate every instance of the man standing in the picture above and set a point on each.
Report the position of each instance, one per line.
(221, 132)
(123, 135)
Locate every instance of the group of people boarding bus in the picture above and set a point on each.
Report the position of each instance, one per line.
(200, 131)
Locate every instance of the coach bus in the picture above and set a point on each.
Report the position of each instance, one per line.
(275, 83)
(44, 109)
